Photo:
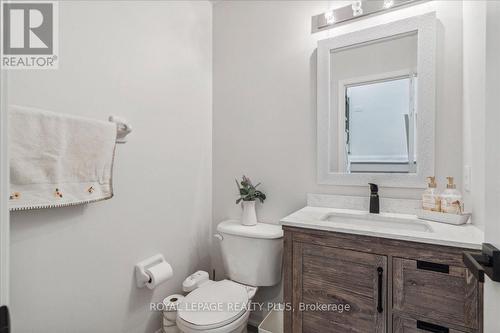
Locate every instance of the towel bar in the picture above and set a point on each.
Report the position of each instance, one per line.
(487, 262)
(123, 128)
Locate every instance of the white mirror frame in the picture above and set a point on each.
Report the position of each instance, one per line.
(425, 27)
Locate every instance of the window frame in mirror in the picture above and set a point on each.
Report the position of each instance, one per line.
(342, 139)
(425, 28)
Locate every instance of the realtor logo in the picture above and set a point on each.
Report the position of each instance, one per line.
(29, 35)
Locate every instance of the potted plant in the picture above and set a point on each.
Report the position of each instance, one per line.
(248, 195)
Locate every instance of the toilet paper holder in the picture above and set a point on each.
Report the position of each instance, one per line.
(141, 276)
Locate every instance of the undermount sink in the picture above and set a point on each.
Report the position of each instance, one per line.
(382, 221)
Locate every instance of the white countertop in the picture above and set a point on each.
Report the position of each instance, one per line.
(465, 236)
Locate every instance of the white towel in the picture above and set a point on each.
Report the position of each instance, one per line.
(58, 160)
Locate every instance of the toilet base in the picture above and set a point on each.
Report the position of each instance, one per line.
(237, 326)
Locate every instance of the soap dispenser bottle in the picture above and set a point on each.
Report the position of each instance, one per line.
(430, 198)
(451, 199)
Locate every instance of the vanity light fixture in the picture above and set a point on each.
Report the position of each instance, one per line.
(355, 10)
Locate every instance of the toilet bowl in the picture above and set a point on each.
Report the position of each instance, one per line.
(216, 307)
(237, 326)
(252, 257)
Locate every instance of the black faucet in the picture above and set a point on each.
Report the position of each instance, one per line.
(374, 200)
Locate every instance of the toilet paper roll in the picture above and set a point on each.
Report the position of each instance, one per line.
(158, 274)
(171, 305)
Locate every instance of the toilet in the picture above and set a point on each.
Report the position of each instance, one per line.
(252, 257)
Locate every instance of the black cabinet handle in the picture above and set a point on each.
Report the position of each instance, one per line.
(431, 266)
(422, 325)
(4, 319)
(380, 272)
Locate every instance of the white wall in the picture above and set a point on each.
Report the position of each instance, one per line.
(148, 61)
(474, 72)
(265, 101)
(492, 138)
(481, 135)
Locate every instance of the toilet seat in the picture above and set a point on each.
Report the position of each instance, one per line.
(214, 305)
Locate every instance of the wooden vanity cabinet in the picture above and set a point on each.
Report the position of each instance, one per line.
(327, 275)
(409, 325)
(443, 294)
(389, 285)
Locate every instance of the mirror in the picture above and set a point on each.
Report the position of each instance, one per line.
(373, 88)
(376, 105)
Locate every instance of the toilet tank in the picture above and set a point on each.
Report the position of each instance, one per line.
(252, 255)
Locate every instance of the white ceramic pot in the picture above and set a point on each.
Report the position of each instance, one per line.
(248, 216)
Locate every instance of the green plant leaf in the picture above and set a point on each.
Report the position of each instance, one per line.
(248, 192)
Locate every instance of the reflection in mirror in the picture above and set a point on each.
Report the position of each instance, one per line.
(379, 123)
(374, 111)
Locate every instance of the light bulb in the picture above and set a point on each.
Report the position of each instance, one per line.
(388, 3)
(356, 5)
(329, 17)
(357, 12)
(357, 8)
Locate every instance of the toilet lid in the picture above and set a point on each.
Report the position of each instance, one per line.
(260, 230)
(217, 303)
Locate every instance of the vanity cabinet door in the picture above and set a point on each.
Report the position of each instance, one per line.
(407, 325)
(446, 295)
(329, 276)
